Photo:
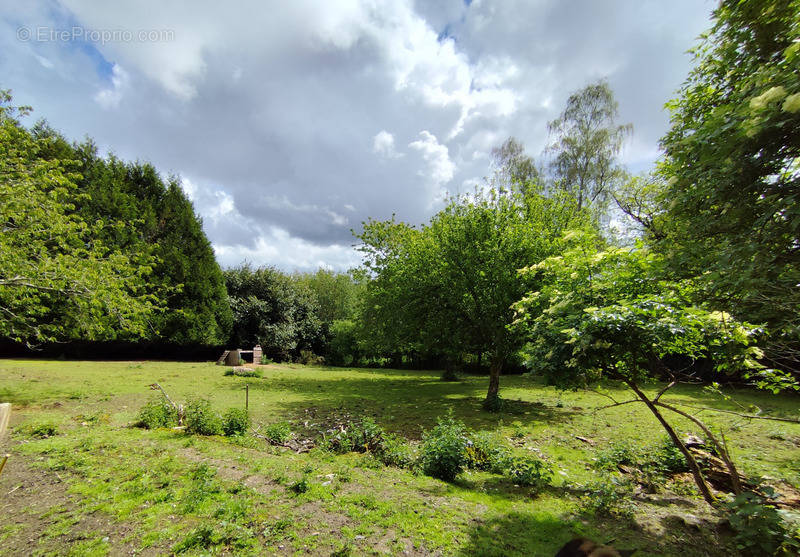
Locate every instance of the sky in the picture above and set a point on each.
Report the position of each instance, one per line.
(291, 123)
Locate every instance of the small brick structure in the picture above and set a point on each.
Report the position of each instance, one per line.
(232, 357)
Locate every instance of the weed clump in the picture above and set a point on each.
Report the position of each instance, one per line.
(157, 412)
(278, 433)
(365, 436)
(40, 430)
(609, 497)
(443, 453)
(300, 486)
(530, 471)
(235, 422)
(201, 419)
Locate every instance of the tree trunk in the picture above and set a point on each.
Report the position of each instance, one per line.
(492, 402)
(694, 468)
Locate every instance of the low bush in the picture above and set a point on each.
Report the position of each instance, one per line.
(530, 471)
(235, 422)
(759, 528)
(365, 436)
(443, 452)
(308, 358)
(278, 433)
(201, 419)
(157, 412)
(669, 459)
(300, 486)
(621, 453)
(487, 451)
(610, 497)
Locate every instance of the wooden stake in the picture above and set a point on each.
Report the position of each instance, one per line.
(246, 397)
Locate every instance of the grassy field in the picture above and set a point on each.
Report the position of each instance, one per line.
(82, 481)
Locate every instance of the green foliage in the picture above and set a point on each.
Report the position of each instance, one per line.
(731, 167)
(235, 421)
(487, 451)
(41, 430)
(274, 311)
(157, 412)
(669, 459)
(300, 486)
(446, 288)
(609, 313)
(60, 278)
(610, 496)
(365, 436)
(343, 344)
(530, 471)
(759, 527)
(279, 432)
(586, 141)
(201, 419)
(622, 452)
(443, 452)
(308, 358)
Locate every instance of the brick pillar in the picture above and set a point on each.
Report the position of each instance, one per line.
(257, 354)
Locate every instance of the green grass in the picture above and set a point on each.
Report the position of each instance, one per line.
(163, 490)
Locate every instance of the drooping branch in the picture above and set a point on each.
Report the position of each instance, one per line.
(721, 448)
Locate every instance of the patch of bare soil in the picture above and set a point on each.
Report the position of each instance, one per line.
(34, 501)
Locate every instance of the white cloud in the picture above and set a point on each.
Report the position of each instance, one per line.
(271, 114)
(440, 168)
(383, 145)
(111, 97)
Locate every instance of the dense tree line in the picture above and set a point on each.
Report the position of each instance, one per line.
(98, 248)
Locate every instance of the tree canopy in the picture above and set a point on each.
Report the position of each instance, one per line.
(447, 287)
(59, 279)
(732, 168)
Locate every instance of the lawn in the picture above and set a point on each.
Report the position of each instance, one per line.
(82, 481)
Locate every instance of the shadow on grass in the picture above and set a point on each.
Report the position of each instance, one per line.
(404, 402)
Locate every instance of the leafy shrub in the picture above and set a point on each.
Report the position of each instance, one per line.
(617, 453)
(235, 422)
(265, 360)
(308, 358)
(487, 451)
(157, 412)
(201, 419)
(443, 453)
(278, 433)
(449, 374)
(394, 451)
(759, 527)
(669, 459)
(358, 436)
(530, 471)
(609, 497)
(300, 486)
(365, 436)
